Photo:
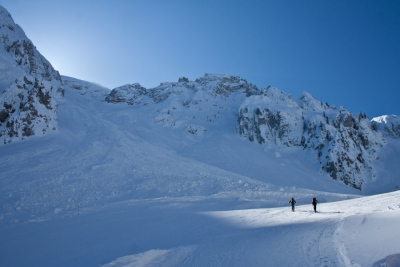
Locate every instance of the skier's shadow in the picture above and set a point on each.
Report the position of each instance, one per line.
(330, 212)
(311, 211)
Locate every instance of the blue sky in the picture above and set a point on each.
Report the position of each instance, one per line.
(346, 53)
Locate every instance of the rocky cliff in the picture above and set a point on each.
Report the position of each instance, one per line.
(342, 144)
(29, 86)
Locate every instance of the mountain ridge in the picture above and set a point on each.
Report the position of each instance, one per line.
(188, 173)
(346, 146)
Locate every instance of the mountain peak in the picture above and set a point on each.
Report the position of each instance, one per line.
(29, 86)
(389, 124)
(387, 119)
(310, 102)
(5, 17)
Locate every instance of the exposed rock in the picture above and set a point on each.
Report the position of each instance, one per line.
(389, 124)
(29, 86)
(131, 94)
(343, 144)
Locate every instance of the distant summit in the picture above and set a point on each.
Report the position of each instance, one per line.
(389, 124)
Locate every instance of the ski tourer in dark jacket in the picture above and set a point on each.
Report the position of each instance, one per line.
(292, 201)
(314, 203)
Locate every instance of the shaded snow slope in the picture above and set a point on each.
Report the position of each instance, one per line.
(191, 231)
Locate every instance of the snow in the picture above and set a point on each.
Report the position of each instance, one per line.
(109, 190)
(162, 177)
(385, 119)
(196, 232)
(390, 124)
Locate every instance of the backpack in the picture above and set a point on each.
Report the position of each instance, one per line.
(314, 200)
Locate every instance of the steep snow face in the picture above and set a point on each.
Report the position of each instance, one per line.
(389, 124)
(344, 145)
(29, 86)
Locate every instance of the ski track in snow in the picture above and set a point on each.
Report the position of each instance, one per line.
(345, 233)
(169, 177)
(279, 237)
(192, 232)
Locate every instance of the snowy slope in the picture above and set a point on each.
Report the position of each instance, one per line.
(190, 173)
(309, 136)
(104, 154)
(201, 232)
(108, 189)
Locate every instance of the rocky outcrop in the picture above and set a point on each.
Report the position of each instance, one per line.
(29, 86)
(210, 85)
(342, 143)
(217, 97)
(132, 94)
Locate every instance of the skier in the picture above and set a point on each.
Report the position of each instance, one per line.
(292, 201)
(314, 203)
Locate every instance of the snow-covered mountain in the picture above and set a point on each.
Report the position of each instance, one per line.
(342, 144)
(189, 173)
(389, 125)
(346, 146)
(29, 86)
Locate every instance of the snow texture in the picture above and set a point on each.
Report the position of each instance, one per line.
(189, 173)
